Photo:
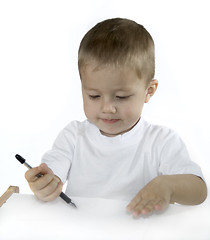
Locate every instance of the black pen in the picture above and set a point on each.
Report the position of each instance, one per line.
(62, 195)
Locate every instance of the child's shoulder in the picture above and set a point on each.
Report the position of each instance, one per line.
(158, 132)
(71, 131)
(154, 127)
(76, 126)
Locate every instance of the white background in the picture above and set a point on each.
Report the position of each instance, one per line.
(40, 85)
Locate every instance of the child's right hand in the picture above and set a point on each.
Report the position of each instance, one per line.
(46, 188)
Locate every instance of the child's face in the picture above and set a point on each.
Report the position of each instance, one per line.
(113, 98)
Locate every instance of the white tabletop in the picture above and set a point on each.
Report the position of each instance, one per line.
(24, 217)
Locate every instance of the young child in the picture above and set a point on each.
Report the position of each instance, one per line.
(115, 153)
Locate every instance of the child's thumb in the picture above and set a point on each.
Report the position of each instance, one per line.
(44, 169)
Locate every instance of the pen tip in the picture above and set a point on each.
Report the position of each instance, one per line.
(73, 204)
(19, 158)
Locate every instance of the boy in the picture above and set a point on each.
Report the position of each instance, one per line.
(115, 153)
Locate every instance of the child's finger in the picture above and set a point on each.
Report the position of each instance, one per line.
(45, 169)
(42, 182)
(138, 208)
(48, 192)
(30, 175)
(144, 206)
(150, 206)
(136, 200)
(161, 205)
(55, 193)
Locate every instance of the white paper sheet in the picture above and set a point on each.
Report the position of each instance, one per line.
(26, 218)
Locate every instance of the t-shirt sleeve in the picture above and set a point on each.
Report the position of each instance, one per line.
(175, 159)
(59, 158)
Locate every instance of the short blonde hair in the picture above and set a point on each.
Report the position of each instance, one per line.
(118, 42)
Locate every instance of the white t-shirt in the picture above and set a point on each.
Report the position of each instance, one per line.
(116, 167)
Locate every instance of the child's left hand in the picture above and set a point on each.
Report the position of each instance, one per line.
(156, 195)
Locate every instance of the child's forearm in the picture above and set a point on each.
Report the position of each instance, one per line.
(187, 189)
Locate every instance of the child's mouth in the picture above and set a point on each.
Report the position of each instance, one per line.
(110, 121)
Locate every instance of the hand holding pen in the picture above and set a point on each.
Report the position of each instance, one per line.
(43, 183)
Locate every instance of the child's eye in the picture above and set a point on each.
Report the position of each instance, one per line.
(122, 97)
(93, 97)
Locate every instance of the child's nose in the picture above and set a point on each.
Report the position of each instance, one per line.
(108, 107)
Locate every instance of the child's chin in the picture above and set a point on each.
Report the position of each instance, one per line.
(109, 134)
(112, 133)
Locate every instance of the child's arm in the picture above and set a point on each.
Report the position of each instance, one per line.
(46, 188)
(185, 189)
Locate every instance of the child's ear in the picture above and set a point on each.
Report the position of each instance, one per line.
(151, 89)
